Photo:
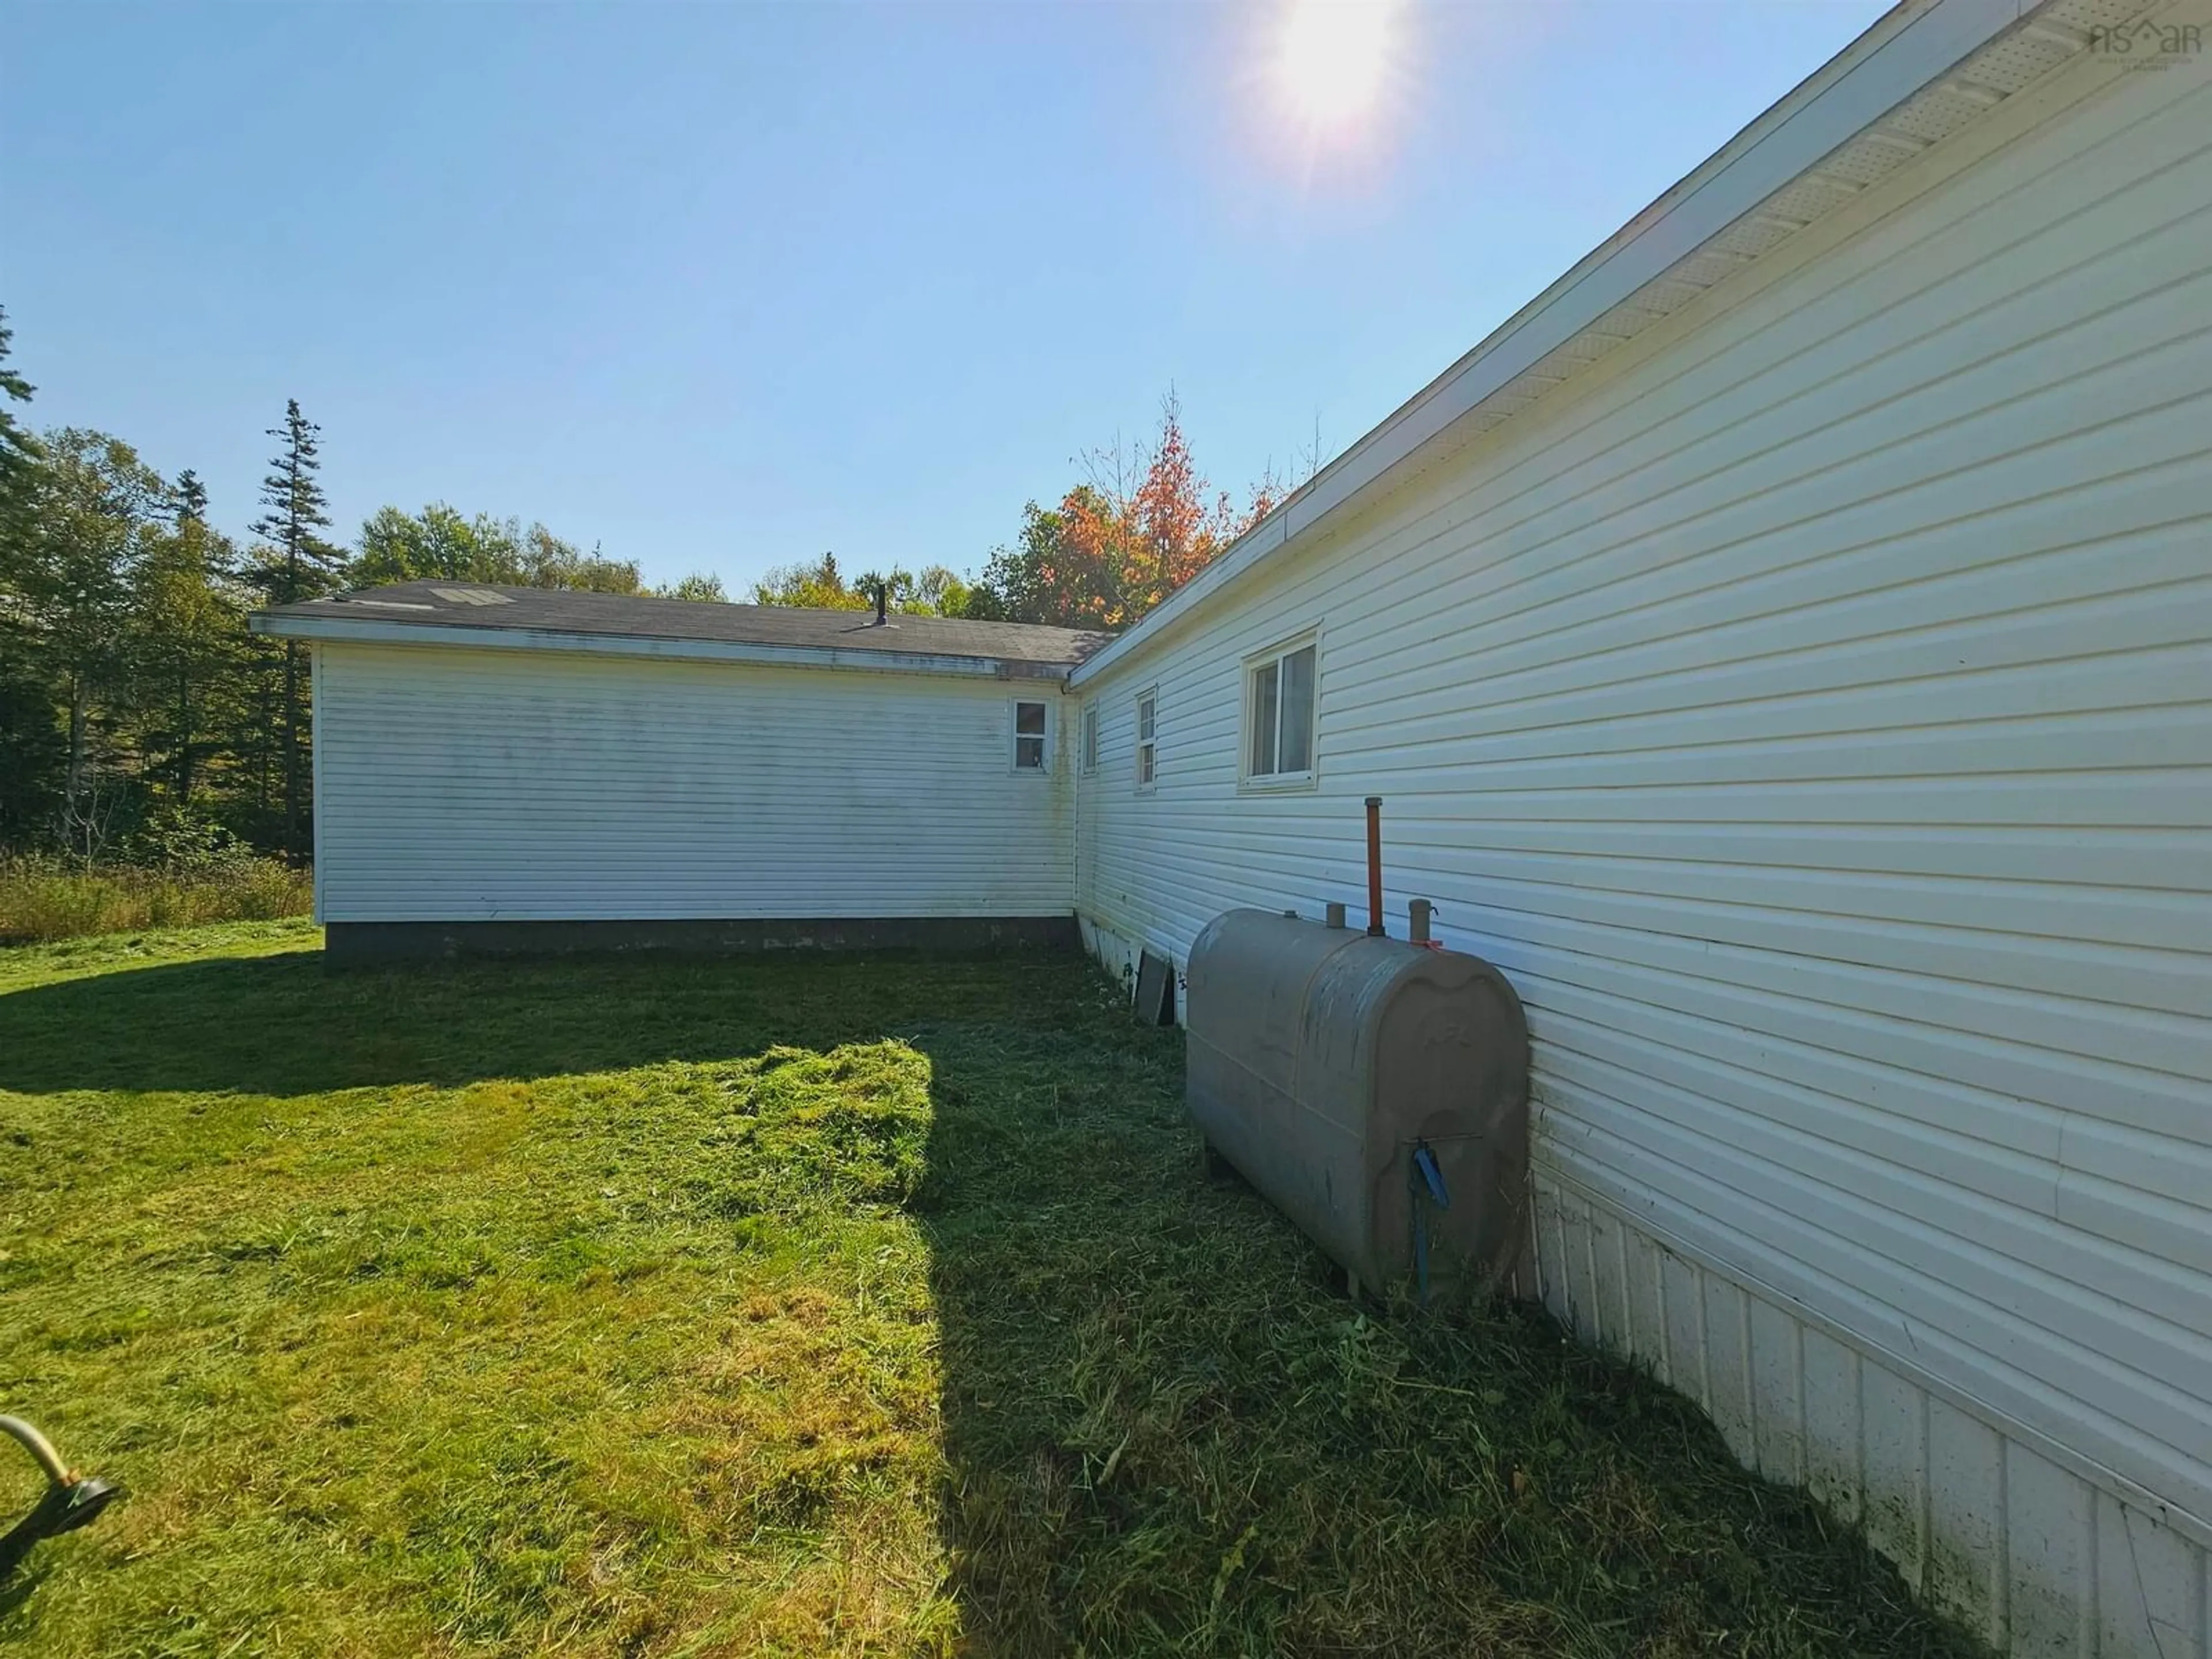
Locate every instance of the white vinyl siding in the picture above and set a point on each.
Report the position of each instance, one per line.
(464, 785)
(1811, 711)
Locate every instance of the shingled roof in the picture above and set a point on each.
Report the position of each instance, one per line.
(575, 618)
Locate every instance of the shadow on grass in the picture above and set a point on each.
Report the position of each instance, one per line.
(1166, 1431)
(1170, 1433)
(280, 1025)
(17, 1590)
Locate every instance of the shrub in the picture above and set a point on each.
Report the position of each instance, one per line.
(176, 839)
(43, 897)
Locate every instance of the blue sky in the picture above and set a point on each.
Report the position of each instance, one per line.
(720, 286)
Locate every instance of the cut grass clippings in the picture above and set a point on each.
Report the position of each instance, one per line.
(804, 1306)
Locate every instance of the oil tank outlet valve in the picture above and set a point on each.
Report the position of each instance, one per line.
(1431, 1184)
(1432, 1175)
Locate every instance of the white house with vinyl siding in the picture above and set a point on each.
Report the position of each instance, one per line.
(1784, 648)
(504, 767)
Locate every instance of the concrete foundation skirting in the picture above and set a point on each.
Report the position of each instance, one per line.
(347, 943)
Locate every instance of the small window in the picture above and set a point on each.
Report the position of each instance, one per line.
(1148, 704)
(1028, 737)
(1278, 714)
(1090, 737)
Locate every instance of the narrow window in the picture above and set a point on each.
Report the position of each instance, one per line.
(1295, 747)
(1266, 705)
(1090, 737)
(1278, 714)
(1028, 737)
(1147, 737)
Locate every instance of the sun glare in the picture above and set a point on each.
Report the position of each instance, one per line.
(1334, 57)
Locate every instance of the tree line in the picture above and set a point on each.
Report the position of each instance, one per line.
(140, 718)
(1141, 522)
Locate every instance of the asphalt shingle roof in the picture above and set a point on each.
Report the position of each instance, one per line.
(476, 604)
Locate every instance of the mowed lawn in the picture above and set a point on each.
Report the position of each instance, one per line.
(802, 1306)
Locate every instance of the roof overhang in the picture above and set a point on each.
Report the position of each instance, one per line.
(368, 630)
(1926, 67)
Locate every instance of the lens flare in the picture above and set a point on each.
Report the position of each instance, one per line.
(1332, 59)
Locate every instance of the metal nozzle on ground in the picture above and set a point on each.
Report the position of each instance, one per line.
(71, 1500)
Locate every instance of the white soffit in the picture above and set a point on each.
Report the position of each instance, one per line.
(2020, 56)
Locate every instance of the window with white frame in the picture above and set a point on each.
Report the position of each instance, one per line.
(1278, 713)
(1090, 737)
(1148, 737)
(1031, 727)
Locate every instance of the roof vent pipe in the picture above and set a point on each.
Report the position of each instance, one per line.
(883, 593)
(1374, 866)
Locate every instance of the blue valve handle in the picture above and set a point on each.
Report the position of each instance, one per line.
(1423, 1163)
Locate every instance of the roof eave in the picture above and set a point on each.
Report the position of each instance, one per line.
(360, 630)
(1911, 46)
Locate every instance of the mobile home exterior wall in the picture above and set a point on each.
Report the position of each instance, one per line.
(1810, 709)
(462, 785)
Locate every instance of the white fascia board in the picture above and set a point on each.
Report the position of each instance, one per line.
(1911, 45)
(365, 631)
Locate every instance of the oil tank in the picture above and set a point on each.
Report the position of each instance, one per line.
(1375, 1091)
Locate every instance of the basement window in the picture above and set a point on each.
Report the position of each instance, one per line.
(1148, 733)
(1278, 714)
(1030, 733)
(1089, 737)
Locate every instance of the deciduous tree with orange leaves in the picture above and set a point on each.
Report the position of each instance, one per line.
(1143, 524)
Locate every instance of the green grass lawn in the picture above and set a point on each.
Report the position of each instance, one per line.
(789, 1307)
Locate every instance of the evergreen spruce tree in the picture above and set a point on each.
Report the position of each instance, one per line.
(188, 625)
(192, 499)
(30, 746)
(299, 565)
(18, 450)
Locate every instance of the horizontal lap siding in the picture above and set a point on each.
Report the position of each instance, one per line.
(1814, 717)
(466, 785)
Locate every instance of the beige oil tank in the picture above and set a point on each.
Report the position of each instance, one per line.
(1376, 1091)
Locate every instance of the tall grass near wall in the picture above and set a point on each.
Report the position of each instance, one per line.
(49, 898)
